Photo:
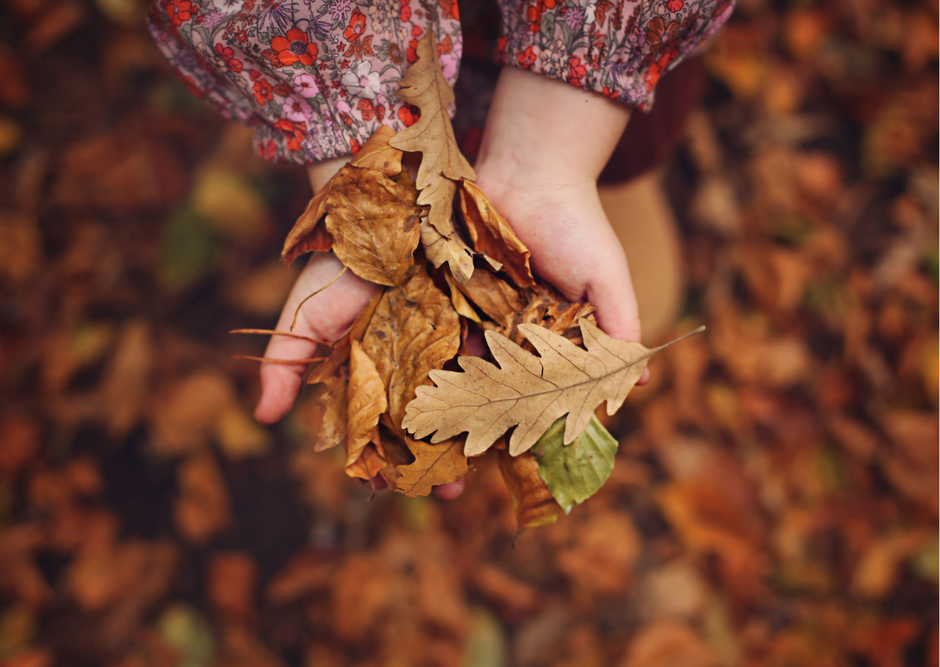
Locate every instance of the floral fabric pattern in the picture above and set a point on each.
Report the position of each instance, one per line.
(315, 78)
(619, 48)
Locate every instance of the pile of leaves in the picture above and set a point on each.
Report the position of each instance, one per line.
(405, 237)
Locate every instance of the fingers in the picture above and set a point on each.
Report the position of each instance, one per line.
(450, 491)
(325, 317)
(617, 311)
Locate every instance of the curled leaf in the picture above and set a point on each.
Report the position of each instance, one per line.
(531, 498)
(365, 403)
(492, 235)
(442, 164)
(307, 235)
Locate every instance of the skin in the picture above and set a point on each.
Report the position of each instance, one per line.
(547, 190)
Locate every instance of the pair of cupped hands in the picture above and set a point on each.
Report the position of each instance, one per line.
(544, 145)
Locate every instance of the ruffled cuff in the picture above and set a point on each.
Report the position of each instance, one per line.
(617, 49)
(314, 83)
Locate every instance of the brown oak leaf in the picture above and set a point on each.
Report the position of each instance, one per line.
(442, 164)
(527, 391)
(414, 330)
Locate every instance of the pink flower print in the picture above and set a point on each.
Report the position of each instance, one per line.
(297, 109)
(305, 85)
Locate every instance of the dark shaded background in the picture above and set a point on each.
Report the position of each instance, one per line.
(775, 498)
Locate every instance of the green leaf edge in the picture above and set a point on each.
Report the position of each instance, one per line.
(573, 473)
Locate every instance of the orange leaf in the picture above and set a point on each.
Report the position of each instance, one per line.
(492, 235)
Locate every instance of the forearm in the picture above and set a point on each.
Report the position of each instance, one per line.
(544, 129)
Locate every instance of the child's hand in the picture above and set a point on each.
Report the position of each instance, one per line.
(545, 144)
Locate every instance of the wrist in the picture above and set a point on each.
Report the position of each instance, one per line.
(541, 129)
(321, 172)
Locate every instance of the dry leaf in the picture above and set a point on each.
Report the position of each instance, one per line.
(548, 309)
(377, 154)
(459, 301)
(433, 465)
(492, 235)
(373, 223)
(309, 236)
(533, 502)
(414, 330)
(366, 401)
(499, 300)
(450, 250)
(442, 164)
(526, 391)
(330, 401)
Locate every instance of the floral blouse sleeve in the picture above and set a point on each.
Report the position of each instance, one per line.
(619, 48)
(315, 78)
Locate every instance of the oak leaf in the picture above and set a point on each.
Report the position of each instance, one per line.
(526, 391)
(492, 235)
(366, 402)
(373, 223)
(443, 249)
(442, 164)
(307, 235)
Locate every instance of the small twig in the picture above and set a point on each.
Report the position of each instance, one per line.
(283, 362)
(270, 332)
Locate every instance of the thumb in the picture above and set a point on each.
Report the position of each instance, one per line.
(324, 317)
(617, 312)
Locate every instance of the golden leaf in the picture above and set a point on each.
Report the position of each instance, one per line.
(527, 391)
(433, 465)
(330, 403)
(457, 298)
(373, 223)
(377, 154)
(366, 401)
(442, 164)
(441, 249)
(499, 300)
(309, 236)
(531, 498)
(492, 235)
(414, 330)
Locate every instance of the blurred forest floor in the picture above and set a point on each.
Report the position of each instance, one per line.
(775, 498)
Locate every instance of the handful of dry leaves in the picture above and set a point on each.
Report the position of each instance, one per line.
(374, 389)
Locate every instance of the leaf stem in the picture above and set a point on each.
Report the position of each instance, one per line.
(306, 299)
